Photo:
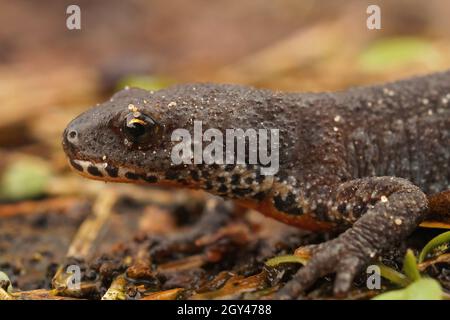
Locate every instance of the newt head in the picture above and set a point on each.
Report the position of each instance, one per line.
(132, 138)
(120, 140)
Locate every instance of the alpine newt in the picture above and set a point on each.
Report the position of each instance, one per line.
(370, 162)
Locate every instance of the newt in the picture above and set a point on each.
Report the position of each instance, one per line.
(370, 163)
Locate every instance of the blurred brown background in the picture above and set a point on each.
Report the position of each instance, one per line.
(48, 74)
(285, 44)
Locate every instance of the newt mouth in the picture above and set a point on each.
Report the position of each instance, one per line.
(107, 172)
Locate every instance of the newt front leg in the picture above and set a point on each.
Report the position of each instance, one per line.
(390, 209)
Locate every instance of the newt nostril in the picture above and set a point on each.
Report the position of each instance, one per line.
(72, 136)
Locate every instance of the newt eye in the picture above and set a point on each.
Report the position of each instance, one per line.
(139, 128)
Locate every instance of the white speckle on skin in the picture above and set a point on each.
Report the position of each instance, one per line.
(398, 221)
(425, 101)
(388, 92)
(172, 104)
(384, 199)
(337, 118)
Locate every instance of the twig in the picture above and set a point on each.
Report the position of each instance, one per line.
(90, 229)
(34, 207)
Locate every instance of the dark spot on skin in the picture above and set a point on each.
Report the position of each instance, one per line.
(221, 179)
(171, 175)
(288, 205)
(342, 208)
(222, 189)
(242, 191)
(150, 179)
(205, 174)
(281, 204)
(282, 176)
(94, 171)
(358, 210)
(76, 165)
(259, 177)
(235, 179)
(321, 212)
(248, 180)
(113, 172)
(131, 176)
(208, 185)
(195, 175)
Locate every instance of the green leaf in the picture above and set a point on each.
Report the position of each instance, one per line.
(423, 289)
(410, 266)
(24, 178)
(433, 243)
(390, 53)
(290, 258)
(393, 275)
